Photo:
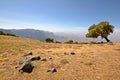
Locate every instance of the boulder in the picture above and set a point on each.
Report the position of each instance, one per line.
(26, 66)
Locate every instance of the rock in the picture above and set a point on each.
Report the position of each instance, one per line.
(50, 58)
(72, 53)
(43, 59)
(26, 66)
(52, 70)
(29, 53)
(66, 53)
(32, 58)
(21, 62)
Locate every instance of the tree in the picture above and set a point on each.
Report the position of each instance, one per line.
(49, 40)
(102, 29)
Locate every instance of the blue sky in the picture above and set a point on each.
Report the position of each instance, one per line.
(58, 15)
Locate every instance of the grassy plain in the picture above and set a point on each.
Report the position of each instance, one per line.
(90, 62)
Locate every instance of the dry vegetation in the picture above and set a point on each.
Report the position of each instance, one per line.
(90, 62)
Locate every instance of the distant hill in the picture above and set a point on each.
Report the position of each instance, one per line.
(59, 36)
(30, 33)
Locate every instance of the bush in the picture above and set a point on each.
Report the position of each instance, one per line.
(50, 40)
(76, 42)
(58, 42)
(69, 42)
(83, 42)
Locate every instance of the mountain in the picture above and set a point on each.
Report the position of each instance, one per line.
(30, 33)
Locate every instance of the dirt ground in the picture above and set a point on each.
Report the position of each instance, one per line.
(90, 62)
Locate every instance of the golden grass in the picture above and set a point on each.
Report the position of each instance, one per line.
(104, 60)
(10, 43)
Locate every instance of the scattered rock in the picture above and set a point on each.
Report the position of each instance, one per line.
(50, 58)
(43, 59)
(72, 53)
(21, 62)
(32, 58)
(52, 70)
(26, 66)
(29, 53)
(65, 53)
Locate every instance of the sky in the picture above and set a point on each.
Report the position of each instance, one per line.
(58, 15)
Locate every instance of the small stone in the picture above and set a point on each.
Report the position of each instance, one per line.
(29, 53)
(66, 53)
(72, 53)
(43, 59)
(52, 70)
(50, 58)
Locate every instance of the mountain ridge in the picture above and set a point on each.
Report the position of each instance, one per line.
(30, 33)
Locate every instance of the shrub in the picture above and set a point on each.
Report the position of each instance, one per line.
(69, 42)
(83, 42)
(58, 42)
(76, 42)
(50, 40)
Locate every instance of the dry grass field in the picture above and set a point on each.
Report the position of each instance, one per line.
(90, 62)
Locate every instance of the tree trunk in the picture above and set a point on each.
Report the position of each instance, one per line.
(107, 39)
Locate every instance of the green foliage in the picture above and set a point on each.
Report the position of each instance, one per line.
(50, 40)
(102, 29)
(76, 42)
(69, 42)
(58, 42)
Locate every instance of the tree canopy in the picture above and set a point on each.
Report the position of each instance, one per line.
(102, 29)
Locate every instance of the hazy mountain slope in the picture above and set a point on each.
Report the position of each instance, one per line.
(30, 33)
(60, 36)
